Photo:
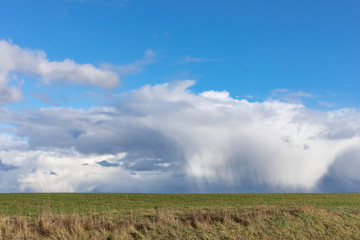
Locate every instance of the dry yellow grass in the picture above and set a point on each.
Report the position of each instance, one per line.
(260, 222)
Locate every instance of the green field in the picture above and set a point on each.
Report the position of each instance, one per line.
(35, 203)
(179, 216)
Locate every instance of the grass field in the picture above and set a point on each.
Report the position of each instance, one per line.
(179, 216)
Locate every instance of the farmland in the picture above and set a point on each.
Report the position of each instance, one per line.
(179, 216)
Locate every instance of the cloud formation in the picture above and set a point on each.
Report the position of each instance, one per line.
(165, 138)
(16, 61)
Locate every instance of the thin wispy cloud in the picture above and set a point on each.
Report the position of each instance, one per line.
(291, 96)
(44, 98)
(325, 104)
(189, 59)
(134, 67)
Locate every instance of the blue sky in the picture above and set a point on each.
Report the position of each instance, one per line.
(245, 47)
(145, 70)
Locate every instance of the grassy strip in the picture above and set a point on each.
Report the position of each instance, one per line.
(261, 222)
(36, 203)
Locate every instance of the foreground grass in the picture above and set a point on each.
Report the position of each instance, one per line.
(180, 216)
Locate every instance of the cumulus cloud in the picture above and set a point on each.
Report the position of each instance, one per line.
(165, 138)
(34, 63)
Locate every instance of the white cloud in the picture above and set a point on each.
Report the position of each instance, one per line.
(22, 61)
(222, 96)
(173, 140)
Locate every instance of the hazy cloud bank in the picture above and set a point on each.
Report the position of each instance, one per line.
(165, 138)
